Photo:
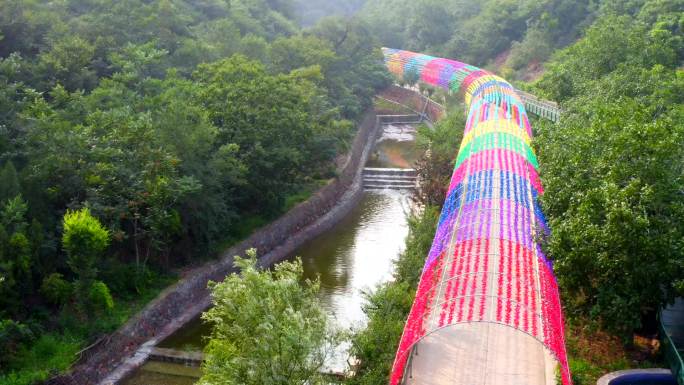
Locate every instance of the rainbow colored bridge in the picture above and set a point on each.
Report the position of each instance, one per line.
(487, 309)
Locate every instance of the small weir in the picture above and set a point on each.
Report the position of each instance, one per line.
(187, 358)
(391, 178)
(350, 258)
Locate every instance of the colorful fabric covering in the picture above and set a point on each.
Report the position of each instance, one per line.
(485, 264)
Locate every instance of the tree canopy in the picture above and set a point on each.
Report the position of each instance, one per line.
(267, 328)
(179, 125)
(613, 168)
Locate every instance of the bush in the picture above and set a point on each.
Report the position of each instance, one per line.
(55, 289)
(99, 297)
(12, 335)
(83, 238)
(48, 354)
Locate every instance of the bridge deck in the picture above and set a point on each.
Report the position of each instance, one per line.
(487, 309)
(480, 354)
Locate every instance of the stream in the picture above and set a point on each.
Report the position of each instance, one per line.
(352, 257)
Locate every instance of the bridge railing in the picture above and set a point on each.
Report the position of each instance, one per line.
(670, 326)
(543, 108)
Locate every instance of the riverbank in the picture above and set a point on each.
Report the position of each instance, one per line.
(349, 259)
(128, 347)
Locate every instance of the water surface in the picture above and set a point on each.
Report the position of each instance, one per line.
(352, 257)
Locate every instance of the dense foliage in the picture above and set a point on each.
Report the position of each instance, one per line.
(140, 135)
(439, 145)
(614, 167)
(310, 11)
(613, 170)
(267, 328)
(519, 34)
(178, 126)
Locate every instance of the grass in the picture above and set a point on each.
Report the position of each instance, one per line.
(385, 106)
(303, 194)
(54, 352)
(250, 223)
(50, 353)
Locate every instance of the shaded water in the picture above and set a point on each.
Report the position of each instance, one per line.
(355, 255)
(164, 373)
(395, 148)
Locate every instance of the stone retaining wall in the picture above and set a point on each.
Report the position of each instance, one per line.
(415, 101)
(129, 347)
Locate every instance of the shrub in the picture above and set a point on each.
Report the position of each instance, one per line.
(55, 289)
(12, 335)
(99, 297)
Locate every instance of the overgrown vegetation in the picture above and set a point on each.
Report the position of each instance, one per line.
(613, 168)
(594, 352)
(439, 145)
(176, 125)
(510, 35)
(268, 327)
(138, 136)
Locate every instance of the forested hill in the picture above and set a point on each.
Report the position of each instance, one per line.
(165, 130)
(138, 137)
(512, 37)
(310, 11)
(513, 33)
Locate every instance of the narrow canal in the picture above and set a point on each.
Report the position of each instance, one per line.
(353, 256)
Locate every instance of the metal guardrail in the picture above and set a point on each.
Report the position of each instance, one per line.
(408, 369)
(425, 101)
(542, 108)
(669, 348)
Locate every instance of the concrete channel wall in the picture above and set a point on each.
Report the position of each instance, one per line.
(414, 101)
(119, 354)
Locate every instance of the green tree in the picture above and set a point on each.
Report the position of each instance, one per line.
(267, 117)
(613, 172)
(99, 297)
(267, 328)
(55, 289)
(435, 167)
(68, 63)
(84, 239)
(12, 335)
(9, 183)
(15, 255)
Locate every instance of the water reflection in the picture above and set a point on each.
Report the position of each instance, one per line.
(164, 373)
(395, 147)
(357, 253)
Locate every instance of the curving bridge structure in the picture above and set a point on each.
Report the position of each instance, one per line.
(487, 308)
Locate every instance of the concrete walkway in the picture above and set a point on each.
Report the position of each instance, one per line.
(480, 354)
